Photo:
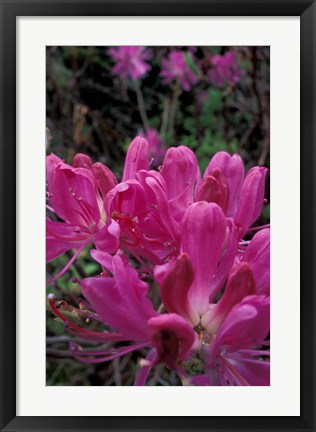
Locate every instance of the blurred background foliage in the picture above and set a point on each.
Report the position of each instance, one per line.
(91, 110)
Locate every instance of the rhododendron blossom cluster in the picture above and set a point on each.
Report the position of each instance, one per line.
(182, 273)
(131, 61)
(181, 66)
(225, 70)
(176, 67)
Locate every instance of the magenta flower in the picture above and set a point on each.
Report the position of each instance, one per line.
(181, 173)
(225, 70)
(140, 206)
(238, 355)
(224, 183)
(156, 148)
(172, 337)
(176, 68)
(209, 246)
(257, 254)
(241, 197)
(209, 302)
(121, 302)
(130, 61)
(75, 195)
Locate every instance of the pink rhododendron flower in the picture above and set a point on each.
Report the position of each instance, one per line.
(181, 172)
(130, 61)
(121, 301)
(225, 70)
(75, 195)
(176, 68)
(237, 354)
(209, 302)
(240, 197)
(257, 254)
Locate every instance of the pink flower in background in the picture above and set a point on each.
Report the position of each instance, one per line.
(225, 70)
(156, 148)
(130, 61)
(176, 68)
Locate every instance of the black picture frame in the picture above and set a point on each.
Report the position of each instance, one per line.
(9, 10)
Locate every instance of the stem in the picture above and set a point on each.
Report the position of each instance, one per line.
(165, 117)
(257, 228)
(144, 371)
(173, 107)
(141, 106)
(70, 262)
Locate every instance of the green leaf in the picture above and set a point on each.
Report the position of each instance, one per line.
(91, 269)
(190, 62)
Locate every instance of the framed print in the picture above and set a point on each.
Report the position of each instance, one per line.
(144, 148)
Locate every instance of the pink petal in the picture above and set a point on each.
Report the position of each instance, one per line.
(232, 168)
(163, 207)
(251, 198)
(136, 158)
(103, 258)
(106, 299)
(160, 271)
(181, 172)
(240, 284)
(108, 238)
(121, 301)
(127, 198)
(172, 337)
(61, 237)
(247, 324)
(200, 380)
(257, 254)
(52, 162)
(203, 236)
(255, 372)
(141, 211)
(227, 258)
(104, 177)
(72, 193)
(82, 161)
(175, 287)
(214, 188)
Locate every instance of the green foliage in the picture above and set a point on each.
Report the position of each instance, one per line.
(190, 62)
